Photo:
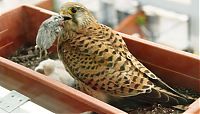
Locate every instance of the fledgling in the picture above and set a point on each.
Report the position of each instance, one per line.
(55, 70)
(48, 32)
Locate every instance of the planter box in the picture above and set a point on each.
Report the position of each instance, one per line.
(7, 5)
(46, 4)
(20, 26)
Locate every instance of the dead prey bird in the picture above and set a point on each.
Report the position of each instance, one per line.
(49, 30)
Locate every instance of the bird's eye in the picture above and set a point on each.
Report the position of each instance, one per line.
(73, 10)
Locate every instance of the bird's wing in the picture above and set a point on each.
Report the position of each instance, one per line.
(118, 78)
(146, 72)
(160, 90)
(109, 47)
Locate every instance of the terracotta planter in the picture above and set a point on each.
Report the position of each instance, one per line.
(176, 68)
(10, 4)
(129, 25)
(46, 4)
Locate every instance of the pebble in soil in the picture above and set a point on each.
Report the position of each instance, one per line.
(29, 57)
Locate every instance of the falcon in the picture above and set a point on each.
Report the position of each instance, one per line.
(98, 59)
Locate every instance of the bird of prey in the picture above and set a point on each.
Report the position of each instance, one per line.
(99, 60)
(48, 32)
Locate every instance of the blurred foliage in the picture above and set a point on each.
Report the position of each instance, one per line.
(141, 20)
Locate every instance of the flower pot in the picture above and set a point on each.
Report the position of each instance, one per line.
(7, 5)
(129, 24)
(46, 4)
(20, 27)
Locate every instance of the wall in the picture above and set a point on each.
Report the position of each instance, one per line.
(191, 9)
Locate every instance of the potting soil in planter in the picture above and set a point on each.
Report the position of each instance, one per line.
(29, 57)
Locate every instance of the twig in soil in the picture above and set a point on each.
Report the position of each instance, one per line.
(24, 56)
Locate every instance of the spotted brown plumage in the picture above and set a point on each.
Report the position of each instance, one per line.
(98, 58)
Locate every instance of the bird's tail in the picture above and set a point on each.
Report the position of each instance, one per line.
(176, 100)
(157, 95)
(181, 107)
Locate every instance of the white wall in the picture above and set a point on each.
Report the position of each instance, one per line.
(189, 7)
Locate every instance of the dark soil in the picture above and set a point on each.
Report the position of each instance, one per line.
(29, 57)
(155, 109)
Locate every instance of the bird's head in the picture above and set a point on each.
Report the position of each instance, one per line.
(75, 15)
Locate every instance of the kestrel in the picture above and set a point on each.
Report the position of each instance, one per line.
(99, 60)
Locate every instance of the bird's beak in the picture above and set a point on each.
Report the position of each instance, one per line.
(65, 14)
(66, 17)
